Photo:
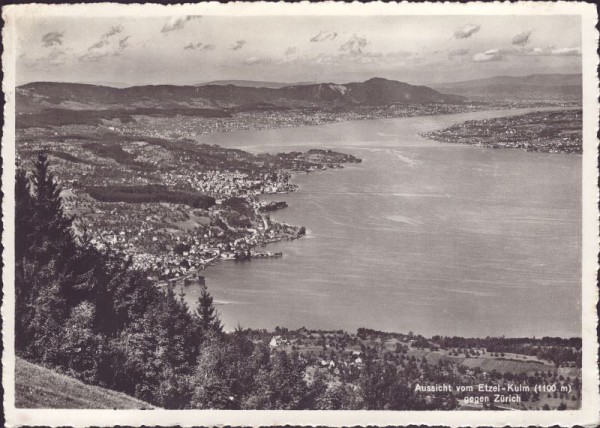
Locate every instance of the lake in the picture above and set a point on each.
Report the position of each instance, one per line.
(421, 236)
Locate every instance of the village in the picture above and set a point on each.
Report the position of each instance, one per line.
(273, 118)
(102, 181)
(458, 373)
(549, 132)
(171, 243)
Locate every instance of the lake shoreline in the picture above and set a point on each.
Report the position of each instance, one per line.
(243, 283)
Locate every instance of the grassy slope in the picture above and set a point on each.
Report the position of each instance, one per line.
(38, 387)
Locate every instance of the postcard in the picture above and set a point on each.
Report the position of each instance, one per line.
(311, 214)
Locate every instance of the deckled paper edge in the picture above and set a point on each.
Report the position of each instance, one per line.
(590, 410)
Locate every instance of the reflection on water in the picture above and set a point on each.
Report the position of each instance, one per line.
(437, 239)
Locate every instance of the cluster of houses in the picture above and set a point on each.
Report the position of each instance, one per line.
(149, 235)
(224, 184)
(186, 126)
(554, 132)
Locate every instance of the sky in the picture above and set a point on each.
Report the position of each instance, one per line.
(192, 49)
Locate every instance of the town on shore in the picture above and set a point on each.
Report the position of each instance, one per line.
(544, 132)
(173, 207)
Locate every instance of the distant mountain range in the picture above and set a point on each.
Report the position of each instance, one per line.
(254, 83)
(535, 86)
(248, 95)
(73, 96)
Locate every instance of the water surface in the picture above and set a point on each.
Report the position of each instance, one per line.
(421, 236)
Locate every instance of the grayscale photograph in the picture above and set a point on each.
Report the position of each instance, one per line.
(246, 211)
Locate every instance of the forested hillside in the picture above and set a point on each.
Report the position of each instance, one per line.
(89, 315)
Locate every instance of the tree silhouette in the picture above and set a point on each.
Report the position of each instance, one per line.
(53, 238)
(23, 237)
(208, 317)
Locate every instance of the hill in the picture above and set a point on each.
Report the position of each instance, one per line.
(535, 86)
(37, 387)
(253, 83)
(40, 96)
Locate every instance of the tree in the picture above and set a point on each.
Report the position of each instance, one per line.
(214, 394)
(335, 397)
(212, 381)
(383, 386)
(82, 346)
(54, 274)
(157, 352)
(45, 328)
(52, 233)
(88, 313)
(319, 397)
(206, 314)
(280, 385)
(23, 230)
(177, 350)
(23, 213)
(242, 368)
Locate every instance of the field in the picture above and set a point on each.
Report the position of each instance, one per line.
(38, 388)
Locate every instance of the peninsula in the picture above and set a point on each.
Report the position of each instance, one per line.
(545, 131)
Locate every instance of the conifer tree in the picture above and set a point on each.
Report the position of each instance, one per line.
(51, 275)
(45, 329)
(23, 213)
(206, 314)
(52, 233)
(23, 230)
(54, 240)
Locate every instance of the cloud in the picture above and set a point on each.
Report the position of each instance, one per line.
(105, 38)
(521, 39)
(113, 31)
(355, 55)
(99, 44)
(55, 58)
(457, 52)
(533, 52)
(177, 23)
(106, 46)
(239, 44)
(327, 59)
(500, 54)
(372, 59)
(199, 46)
(258, 60)
(291, 50)
(95, 56)
(123, 42)
(566, 52)
(489, 55)
(53, 38)
(548, 51)
(323, 36)
(466, 31)
(354, 45)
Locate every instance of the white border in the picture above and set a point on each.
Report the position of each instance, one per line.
(590, 410)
